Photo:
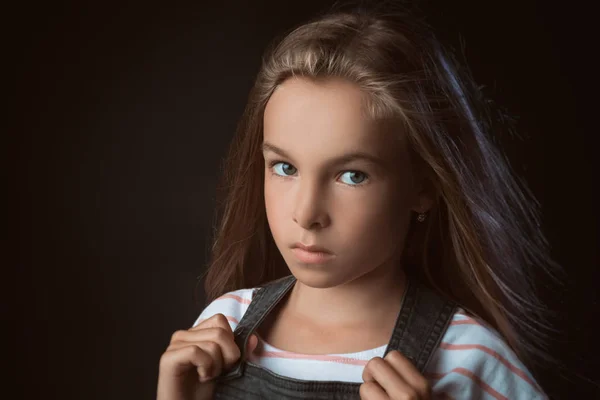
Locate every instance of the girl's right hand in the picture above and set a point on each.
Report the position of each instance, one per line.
(195, 357)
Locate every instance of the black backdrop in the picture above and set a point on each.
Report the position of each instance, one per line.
(123, 114)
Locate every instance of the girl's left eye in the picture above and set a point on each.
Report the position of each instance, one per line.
(353, 177)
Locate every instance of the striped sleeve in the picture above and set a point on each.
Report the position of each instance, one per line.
(473, 362)
(232, 305)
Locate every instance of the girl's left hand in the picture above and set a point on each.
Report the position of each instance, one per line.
(393, 378)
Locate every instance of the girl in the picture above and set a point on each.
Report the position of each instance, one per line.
(373, 242)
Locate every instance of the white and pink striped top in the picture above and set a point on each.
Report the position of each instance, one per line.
(472, 361)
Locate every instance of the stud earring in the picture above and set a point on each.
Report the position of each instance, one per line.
(421, 217)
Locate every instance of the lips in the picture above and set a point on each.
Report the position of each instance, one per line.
(311, 254)
(311, 248)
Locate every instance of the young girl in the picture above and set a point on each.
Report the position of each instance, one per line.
(373, 242)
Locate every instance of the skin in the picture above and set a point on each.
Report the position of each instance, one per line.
(195, 357)
(358, 209)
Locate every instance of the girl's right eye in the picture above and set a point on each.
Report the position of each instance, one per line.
(283, 168)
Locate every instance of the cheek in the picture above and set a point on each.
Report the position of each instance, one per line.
(275, 209)
(376, 222)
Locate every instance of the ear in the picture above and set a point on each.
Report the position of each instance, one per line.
(424, 195)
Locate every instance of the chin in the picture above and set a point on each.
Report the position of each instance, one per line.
(318, 277)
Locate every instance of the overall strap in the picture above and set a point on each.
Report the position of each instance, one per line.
(263, 301)
(421, 324)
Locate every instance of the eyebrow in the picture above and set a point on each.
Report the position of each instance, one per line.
(343, 159)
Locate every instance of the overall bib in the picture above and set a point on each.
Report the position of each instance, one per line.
(422, 321)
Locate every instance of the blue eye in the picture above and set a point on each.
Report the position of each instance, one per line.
(284, 169)
(354, 177)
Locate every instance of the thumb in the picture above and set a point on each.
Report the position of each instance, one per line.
(252, 344)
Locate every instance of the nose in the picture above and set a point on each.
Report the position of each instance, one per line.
(310, 208)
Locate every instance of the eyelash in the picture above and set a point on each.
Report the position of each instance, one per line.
(275, 162)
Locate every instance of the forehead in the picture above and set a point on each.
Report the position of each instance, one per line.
(324, 118)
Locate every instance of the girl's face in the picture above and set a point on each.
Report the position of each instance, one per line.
(337, 180)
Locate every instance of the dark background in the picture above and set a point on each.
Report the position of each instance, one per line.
(123, 113)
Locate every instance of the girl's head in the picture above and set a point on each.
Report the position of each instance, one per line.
(359, 121)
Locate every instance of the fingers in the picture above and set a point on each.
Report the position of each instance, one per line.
(196, 356)
(228, 349)
(214, 329)
(252, 344)
(209, 371)
(372, 391)
(379, 371)
(208, 347)
(179, 361)
(211, 367)
(409, 373)
(216, 321)
(397, 376)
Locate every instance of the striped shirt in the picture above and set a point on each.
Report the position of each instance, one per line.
(472, 361)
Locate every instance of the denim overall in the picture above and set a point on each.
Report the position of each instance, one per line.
(422, 321)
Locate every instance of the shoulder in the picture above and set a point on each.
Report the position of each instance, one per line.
(473, 359)
(232, 305)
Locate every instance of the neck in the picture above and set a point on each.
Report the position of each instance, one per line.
(372, 299)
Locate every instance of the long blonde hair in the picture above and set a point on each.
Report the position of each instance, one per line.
(482, 239)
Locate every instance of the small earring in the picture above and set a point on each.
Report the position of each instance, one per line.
(421, 217)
